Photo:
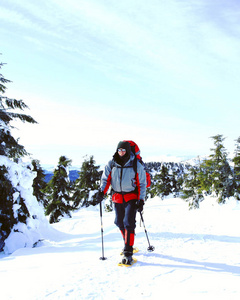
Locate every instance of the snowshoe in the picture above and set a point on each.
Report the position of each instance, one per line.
(127, 261)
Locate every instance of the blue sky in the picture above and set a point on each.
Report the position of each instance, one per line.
(162, 73)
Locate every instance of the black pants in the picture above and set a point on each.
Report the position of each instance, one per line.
(125, 215)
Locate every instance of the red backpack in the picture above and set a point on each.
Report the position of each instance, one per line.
(136, 151)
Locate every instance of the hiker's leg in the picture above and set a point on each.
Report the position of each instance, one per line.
(129, 225)
(119, 216)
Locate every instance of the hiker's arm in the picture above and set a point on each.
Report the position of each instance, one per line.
(142, 182)
(106, 178)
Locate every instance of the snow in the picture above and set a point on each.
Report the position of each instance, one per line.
(197, 256)
(24, 235)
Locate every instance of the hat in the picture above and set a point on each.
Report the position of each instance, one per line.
(124, 145)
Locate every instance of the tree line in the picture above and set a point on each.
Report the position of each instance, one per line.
(60, 196)
(215, 175)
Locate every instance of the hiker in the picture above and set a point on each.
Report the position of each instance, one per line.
(127, 177)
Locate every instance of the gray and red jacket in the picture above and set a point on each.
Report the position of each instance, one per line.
(126, 184)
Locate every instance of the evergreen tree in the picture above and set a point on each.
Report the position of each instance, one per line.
(192, 190)
(162, 185)
(10, 197)
(39, 183)
(59, 192)
(236, 170)
(177, 179)
(87, 184)
(7, 219)
(216, 174)
(10, 148)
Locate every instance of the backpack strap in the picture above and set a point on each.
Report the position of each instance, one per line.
(135, 166)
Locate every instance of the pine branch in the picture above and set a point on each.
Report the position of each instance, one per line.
(13, 103)
(3, 81)
(4, 116)
(23, 118)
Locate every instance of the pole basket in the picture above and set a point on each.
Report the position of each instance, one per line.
(102, 258)
(151, 248)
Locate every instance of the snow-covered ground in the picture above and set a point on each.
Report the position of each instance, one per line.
(197, 256)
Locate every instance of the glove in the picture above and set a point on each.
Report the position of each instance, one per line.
(139, 205)
(99, 196)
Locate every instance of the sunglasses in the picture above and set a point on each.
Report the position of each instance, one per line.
(121, 150)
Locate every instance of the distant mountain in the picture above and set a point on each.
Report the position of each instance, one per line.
(73, 175)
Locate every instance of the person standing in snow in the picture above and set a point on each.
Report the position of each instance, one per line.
(128, 193)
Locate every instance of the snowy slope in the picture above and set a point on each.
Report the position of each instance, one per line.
(197, 256)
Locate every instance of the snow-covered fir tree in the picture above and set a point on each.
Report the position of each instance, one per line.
(39, 183)
(236, 170)
(162, 183)
(9, 146)
(59, 192)
(216, 174)
(192, 190)
(87, 184)
(7, 219)
(20, 214)
(166, 177)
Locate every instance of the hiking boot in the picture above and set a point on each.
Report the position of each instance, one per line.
(127, 260)
(128, 250)
(135, 250)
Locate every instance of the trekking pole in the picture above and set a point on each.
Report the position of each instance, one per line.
(150, 248)
(102, 258)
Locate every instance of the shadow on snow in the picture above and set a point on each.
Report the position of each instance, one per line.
(194, 265)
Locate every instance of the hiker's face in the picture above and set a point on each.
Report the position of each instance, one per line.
(121, 151)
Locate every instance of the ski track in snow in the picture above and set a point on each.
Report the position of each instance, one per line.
(197, 256)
